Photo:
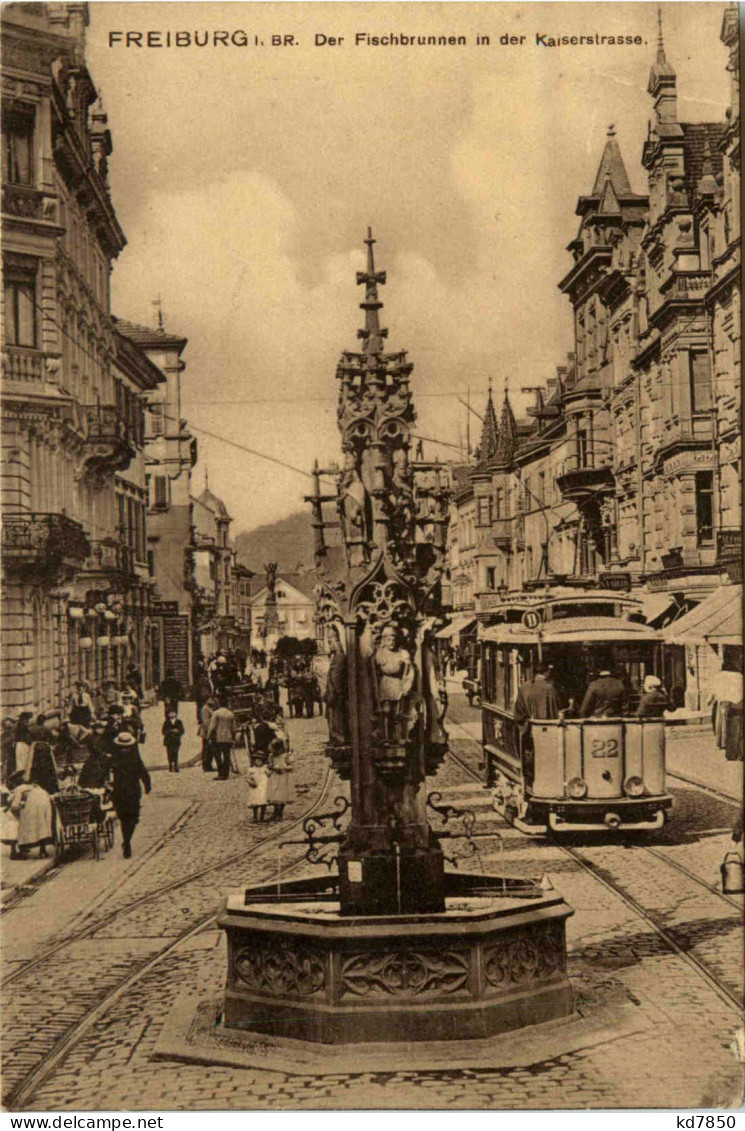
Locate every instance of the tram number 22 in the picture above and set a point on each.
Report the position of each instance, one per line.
(604, 748)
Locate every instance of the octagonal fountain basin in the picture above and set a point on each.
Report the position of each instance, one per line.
(494, 960)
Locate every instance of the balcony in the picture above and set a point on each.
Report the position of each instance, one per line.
(110, 444)
(689, 286)
(583, 475)
(502, 533)
(42, 544)
(109, 556)
(729, 544)
(23, 365)
(26, 203)
(683, 431)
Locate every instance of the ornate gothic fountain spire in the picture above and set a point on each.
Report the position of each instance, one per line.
(372, 334)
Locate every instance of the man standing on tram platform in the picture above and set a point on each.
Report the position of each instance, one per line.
(605, 696)
(536, 699)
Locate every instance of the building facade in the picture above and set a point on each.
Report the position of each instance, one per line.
(215, 612)
(295, 609)
(170, 455)
(72, 404)
(627, 476)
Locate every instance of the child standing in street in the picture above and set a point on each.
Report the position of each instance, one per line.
(173, 730)
(258, 781)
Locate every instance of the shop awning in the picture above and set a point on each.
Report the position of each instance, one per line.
(572, 630)
(717, 620)
(458, 625)
(654, 606)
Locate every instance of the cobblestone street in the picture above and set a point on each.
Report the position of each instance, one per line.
(96, 957)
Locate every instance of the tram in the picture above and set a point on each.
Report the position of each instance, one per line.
(572, 774)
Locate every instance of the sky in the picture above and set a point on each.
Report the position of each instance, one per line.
(245, 178)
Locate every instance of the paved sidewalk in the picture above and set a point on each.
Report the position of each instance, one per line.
(17, 874)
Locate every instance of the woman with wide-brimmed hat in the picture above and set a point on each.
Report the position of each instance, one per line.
(129, 775)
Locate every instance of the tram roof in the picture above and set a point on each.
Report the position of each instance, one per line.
(570, 630)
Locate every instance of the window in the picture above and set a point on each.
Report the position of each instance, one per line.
(151, 562)
(491, 577)
(20, 306)
(541, 489)
(499, 503)
(583, 450)
(483, 519)
(157, 419)
(704, 506)
(160, 492)
(700, 380)
(18, 140)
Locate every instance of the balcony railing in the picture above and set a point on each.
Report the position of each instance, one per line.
(690, 285)
(22, 364)
(729, 544)
(28, 203)
(42, 542)
(584, 473)
(110, 441)
(684, 429)
(502, 533)
(110, 556)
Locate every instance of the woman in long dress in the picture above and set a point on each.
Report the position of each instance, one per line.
(42, 767)
(280, 789)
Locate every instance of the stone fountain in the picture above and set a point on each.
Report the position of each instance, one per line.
(395, 948)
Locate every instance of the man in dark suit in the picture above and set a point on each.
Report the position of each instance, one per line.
(537, 698)
(605, 697)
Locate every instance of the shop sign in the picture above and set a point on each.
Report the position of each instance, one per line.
(164, 608)
(619, 582)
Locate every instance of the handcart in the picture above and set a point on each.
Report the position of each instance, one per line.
(76, 823)
(247, 704)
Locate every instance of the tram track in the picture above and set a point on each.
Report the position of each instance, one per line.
(663, 932)
(20, 1092)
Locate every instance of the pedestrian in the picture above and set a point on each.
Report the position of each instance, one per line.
(22, 748)
(202, 688)
(170, 691)
(605, 697)
(96, 770)
(42, 768)
(280, 789)
(32, 807)
(110, 693)
(258, 781)
(264, 732)
(134, 681)
(173, 731)
(80, 710)
(729, 685)
(537, 698)
(8, 740)
(8, 820)
(653, 702)
(129, 775)
(204, 726)
(131, 717)
(222, 733)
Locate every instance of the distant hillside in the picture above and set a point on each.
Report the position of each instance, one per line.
(288, 542)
